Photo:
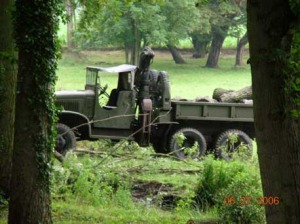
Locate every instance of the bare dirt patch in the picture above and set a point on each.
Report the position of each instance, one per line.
(154, 193)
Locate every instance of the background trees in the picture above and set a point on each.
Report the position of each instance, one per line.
(226, 17)
(129, 24)
(133, 24)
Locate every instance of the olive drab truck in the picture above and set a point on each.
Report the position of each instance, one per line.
(140, 109)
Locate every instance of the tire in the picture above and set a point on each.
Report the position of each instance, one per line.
(153, 80)
(192, 136)
(240, 148)
(65, 139)
(163, 91)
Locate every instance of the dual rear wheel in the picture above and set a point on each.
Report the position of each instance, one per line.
(230, 144)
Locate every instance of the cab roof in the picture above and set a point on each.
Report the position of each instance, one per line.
(114, 69)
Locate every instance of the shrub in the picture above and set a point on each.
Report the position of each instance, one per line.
(85, 181)
(233, 188)
(245, 191)
(216, 175)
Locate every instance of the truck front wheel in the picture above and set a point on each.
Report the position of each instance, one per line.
(233, 143)
(65, 139)
(187, 142)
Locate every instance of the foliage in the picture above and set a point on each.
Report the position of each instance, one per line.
(85, 184)
(245, 194)
(2, 88)
(190, 152)
(292, 75)
(131, 24)
(79, 180)
(217, 175)
(234, 188)
(115, 21)
(182, 17)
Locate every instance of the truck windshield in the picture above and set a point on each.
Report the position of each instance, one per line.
(91, 76)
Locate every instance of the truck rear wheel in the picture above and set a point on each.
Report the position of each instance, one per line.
(233, 143)
(184, 147)
(65, 139)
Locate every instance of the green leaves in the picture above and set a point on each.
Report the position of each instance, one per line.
(292, 74)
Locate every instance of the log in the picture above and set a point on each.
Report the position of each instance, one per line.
(247, 101)
(237, 96)
(205, 99)
(218, 92)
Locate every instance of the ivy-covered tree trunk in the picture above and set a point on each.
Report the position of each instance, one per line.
(7, 92)
(240, 50)
(274, 42)
(177, 57)
(218, 37)
(35, 30)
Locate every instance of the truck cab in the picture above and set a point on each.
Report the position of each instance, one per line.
(82, 111)
(126, 109)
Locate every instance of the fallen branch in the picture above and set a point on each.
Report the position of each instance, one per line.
(139, 169)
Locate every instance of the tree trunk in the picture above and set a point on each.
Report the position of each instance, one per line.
(218, 37)
(70, 24)
(201, 44)
(127, 48)
(35, 28)
(240, 50)
(7, 92)
(136, 45)
(271, 26)
(177, 57)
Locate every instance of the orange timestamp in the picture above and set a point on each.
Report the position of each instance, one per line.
(246, 200)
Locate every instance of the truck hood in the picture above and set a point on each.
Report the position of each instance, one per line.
(74, 93)
(115, 69)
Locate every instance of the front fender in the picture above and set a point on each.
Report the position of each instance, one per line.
(76, 121)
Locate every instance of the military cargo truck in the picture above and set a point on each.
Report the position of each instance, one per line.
(140, 108)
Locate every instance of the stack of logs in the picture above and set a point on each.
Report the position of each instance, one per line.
(243, 95)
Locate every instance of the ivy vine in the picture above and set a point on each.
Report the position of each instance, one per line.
(36, 40)
(292, 73)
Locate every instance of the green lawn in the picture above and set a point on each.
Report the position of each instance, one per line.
(187, 81)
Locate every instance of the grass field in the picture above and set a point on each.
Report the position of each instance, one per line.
(187, 81)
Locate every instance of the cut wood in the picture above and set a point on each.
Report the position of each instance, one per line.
(218, 92)
(229, 96)
(205, 99)
(237, 96)
(247, 101)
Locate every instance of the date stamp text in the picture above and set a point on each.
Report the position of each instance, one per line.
(247, 200)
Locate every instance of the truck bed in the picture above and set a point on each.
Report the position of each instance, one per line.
(186, 110)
